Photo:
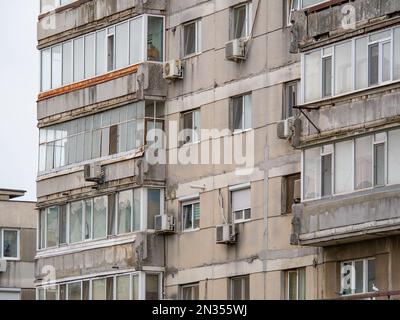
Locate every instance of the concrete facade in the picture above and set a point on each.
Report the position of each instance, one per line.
(17, 277)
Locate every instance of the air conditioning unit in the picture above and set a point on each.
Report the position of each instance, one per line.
(236, 49)
(3, 265)
(93, 172)
(285, 129)
(164, 224)
(297, 191)
(226, 234)
(173, 70)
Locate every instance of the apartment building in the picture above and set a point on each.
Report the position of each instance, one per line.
(212, 218)
(17, 246)
(349, 142)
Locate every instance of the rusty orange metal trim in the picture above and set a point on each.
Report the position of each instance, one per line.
(88, 83)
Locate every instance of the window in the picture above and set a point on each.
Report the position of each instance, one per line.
(74, 291)
(363, 163)
(52, 230)
(129, 211)
(75, 222)
(394, 156)
(290, 99)
(154, 203)
(152, 287)
(190, 292)
(379, 159)
(241, 113)
(192, 38)
(327, 73)
(351, 65)
(241, 21)
(357, 276)
(155, 39)
(191, 127)
(102, 135)
(241, 205)
(191, 215)
(288, 186)
(103, 51)
(10, 244)
(296, 284)
(99, 289)
(122, 287)
(326, 170)
(240, 288)
(344, 173)
(312, 173)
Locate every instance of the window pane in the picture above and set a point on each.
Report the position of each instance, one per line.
(153, 206)
(99, 217)
(359, 269)
(155, 39)
(124, 211)
(371, 274)
(344, 173)
(196, 126)
(239, 22)
(326, 175)
(152, 287)
(312, 173)
(394, 156)
(292, 285)
(89, 56)
(10, 244)
(346, 274)
(99, 289)
(85, 290)
(188, 216)
(196, 215)
(188, 127)
(135, 287)
(88, 219)
(110, 52)
(74, 291)
(56, 66)
(136, 209)
(363, 163)
(52, 227)
(46, 69)
(312, 76)
(237, 104)
(42, 157)
(43, 229)
(190, 38)
(136, 41)
(327, 77)
(374, 64)
(78, 60)
(396, 56)
(362, 63)
(122, 45)
(379, 165)
(101, 56)
(386, 61)
(247, 112)
(122, 288)
(302, 284)
(52, 293)
(75, 222)
(343, 69)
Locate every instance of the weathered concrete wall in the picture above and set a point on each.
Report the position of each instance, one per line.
(348, 218)
(86, 16)
(147, 81)
(309, 29)
(86, 262)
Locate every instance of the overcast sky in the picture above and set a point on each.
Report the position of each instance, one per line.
(18, 92)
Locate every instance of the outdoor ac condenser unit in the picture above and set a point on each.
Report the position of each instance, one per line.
(164, 224)
(173, 70)
(226, 234)
(93, 172)
(285, 129)
(236, 49)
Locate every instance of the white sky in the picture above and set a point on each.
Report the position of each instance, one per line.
(18, 92)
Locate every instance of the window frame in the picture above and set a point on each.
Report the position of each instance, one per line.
(286, 89)
(186, 204)
(243, 124)
(194, 112)
(243, 279)
(297, 272)
(191, 286)
(198, 38)
(243, 211)
(18, 257)
(143, 59)
(353, 63)
(353, 276)
(248, 23)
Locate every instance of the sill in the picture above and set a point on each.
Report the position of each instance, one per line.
(190, 230)
(11, 259)
(87, 245)
(242, 221)
(80, 166)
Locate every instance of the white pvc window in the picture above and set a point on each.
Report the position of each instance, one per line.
(127, 43)
(358, 276)
(242, 113)
(191, 215)
(10, 244)
(191, 127)
(344, 175)
(242, 20)
(312, 173)
(241, 205)
(394, 157)
(366, 61)
(192, 38)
